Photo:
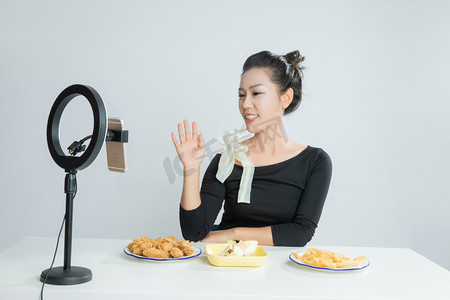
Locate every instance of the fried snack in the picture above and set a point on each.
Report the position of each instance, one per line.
(327, 259)
(140, 244)
(165, 245)
(169, 247)
(155, 253)
(186, 247)
(296, 255)
(173, 239)
(176, 253)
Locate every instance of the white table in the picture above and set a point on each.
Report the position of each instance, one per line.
(394, 273)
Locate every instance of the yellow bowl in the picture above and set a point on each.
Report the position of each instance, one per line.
(213, 251)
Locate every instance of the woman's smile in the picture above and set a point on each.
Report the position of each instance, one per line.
(250, 117)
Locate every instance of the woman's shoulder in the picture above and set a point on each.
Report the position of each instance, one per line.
(320, 152)
(318, 157)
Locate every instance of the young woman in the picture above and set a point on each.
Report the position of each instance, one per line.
(272, 188)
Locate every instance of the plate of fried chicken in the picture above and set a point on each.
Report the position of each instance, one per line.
(161, 249)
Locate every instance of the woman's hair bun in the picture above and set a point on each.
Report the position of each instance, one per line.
(295, 58)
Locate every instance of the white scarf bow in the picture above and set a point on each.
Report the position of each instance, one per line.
(234, 150)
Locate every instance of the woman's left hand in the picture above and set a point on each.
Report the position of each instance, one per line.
(261, 234)
(219, 236)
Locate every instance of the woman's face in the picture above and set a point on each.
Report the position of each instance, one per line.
(260, 103)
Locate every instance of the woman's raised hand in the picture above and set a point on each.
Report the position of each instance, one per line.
(191, 148)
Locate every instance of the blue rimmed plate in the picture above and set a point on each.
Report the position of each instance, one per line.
(362, 265)
(197, 252)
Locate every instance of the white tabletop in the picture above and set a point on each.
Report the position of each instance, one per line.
(394, 273)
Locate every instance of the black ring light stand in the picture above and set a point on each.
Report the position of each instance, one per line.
(68, 275)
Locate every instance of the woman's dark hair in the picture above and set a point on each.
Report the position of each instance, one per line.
(284, 70)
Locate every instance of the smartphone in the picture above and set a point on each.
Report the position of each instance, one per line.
(115, 151)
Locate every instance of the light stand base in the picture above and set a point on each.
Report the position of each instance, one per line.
(74, 275)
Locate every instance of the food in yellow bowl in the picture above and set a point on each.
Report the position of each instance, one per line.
(242, 248)
(214, 253)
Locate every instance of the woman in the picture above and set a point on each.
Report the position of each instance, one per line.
(274, 188)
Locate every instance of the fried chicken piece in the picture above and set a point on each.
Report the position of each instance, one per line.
(158, 241)
(188, 251)
(141, 240)
(155, 253)
(135, 249)
(185, 243)
(140, 244)
(165, 245)
(176, 252)
(173, 239)
(154, 243)
(186, 247)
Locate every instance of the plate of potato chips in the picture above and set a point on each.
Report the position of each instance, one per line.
(324, 260)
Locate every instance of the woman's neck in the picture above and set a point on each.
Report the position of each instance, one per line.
(271, 140)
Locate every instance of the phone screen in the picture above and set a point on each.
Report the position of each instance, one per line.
(115, 151)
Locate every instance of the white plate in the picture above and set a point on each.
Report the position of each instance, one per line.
(362, 265)
(197, 252)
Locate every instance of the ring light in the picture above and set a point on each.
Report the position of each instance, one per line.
(68, 275)
(73, 163)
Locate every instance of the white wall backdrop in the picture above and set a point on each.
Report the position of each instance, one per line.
(376, 99)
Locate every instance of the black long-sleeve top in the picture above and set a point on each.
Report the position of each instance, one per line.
(288, 196)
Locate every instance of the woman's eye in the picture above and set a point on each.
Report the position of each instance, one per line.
(241, 95)
(256, 93)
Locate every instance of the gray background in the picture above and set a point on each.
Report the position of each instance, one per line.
(376, 98)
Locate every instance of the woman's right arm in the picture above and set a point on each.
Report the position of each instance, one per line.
(198, 209)
(190, 150)
(197, 223)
